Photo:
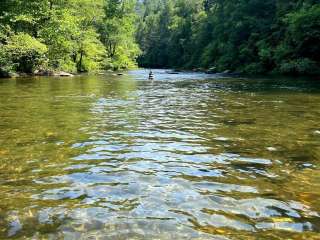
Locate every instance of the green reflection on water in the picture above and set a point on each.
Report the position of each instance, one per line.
(181, 157)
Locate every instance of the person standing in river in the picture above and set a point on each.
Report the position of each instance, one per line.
(151, 76)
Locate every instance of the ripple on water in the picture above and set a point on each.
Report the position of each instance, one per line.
(169, 159)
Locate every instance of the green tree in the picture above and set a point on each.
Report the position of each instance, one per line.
(24, 53)
(117, 34)
(77, 35)
(250, 36)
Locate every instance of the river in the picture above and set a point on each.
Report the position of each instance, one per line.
(187, 156)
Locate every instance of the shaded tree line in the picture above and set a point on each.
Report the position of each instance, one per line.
(248, 36)
(68, 35)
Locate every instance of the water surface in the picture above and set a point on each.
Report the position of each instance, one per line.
(187, 156)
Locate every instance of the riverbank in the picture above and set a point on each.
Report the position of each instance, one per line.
(36, 73)
(175, 71)
(229, 73)
(48, 73)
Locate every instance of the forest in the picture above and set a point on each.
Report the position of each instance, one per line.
(68, 35)
(250, 36)
(243, 36)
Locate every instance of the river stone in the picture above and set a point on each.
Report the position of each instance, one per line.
(14, 75)
(226, 72)
(4, 74)
(64, 74)
(43, 73)
(212, 70)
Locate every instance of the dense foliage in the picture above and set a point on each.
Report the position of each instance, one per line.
(70, 35)
(251, 36)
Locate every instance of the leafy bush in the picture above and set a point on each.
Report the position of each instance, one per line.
(25, 53)
(253, 68)
(5, 61)
(299, 66)
(71, 35)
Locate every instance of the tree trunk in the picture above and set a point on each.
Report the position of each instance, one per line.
(80, 62)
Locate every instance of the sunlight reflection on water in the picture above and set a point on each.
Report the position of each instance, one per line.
(185, 156)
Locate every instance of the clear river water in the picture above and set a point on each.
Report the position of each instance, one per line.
(186, 156)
